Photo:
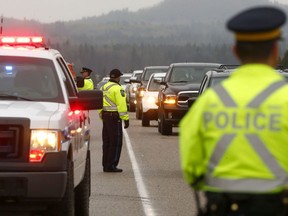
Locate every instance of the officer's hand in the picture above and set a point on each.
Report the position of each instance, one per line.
(126, 124)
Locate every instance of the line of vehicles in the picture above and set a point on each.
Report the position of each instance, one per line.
(165, 93)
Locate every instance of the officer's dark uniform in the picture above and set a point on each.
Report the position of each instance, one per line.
(113, 112)
(233, 140)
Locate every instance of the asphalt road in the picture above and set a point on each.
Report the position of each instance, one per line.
(152, 182)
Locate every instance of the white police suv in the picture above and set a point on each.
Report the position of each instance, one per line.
(44, 131)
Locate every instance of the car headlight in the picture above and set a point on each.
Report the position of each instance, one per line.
(142, 92)
(43, 141)
(151, 100)
(170, 99)
(134, 89)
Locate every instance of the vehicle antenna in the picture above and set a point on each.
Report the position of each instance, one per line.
(1, 29)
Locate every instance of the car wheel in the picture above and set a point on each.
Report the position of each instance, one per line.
(82, 192)
(159, 123)
(66, 205)
(166, 129)
(138, 112)
(145, 120)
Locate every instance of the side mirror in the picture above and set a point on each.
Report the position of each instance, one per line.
(87, 100)
(79, 81)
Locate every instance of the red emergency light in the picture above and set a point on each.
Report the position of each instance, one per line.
(19, 40)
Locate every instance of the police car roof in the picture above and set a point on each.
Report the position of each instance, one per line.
(28, 51)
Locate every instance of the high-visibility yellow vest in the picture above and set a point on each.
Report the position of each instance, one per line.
(114, 99)
(88, 84)
(236, 134)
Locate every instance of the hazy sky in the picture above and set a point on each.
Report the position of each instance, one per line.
(64, 10)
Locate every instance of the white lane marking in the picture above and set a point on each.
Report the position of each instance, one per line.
(145, 200)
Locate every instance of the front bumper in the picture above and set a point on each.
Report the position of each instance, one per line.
(173, 115)
(36, 181)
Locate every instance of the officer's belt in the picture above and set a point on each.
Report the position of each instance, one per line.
(244, 196)
(106, 113)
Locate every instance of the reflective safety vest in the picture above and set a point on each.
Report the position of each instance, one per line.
(88, 84)
(236, 134)
(114, 99)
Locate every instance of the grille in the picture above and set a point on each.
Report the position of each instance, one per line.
(9, 141)
(14, 139)
(183, 97)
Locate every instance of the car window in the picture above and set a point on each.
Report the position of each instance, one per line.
(30, 78)
(153, 85)
(217, 80)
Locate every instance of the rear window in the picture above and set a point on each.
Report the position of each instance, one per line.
(29, 78)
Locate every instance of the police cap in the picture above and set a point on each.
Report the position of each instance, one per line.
(84, 69)
(257, 24)
(115, 73)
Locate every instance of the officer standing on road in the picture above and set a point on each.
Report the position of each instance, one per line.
(113, 112)
(88, 82)
(234, 139)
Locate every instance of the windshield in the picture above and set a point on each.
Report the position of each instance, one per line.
(28, 78)
(149, 72)
(192, 74)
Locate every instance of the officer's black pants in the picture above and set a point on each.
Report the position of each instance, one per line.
(228, 204)
(112, 139)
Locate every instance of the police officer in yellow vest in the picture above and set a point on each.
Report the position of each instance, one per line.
(88, 82)
(113, 112)
(234, 139)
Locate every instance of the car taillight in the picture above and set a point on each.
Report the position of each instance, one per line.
(75, 112)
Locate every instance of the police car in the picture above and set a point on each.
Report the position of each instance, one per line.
(44, 131)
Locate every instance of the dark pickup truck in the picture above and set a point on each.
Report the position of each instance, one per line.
(182, 82)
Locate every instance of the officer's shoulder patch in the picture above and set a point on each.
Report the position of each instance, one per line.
(122, 92)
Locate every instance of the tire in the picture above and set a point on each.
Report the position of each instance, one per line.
(145, 120)
(66, 205)
(166, 129)
(138, 112)
(159, 123)
(83, 190)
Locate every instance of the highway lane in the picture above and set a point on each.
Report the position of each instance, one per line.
(150, 185)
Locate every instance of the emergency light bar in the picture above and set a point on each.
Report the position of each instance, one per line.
(19, 40)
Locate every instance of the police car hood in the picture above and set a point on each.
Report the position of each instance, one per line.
(39, 113)
(177, 87)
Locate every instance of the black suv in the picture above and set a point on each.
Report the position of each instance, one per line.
(214, 77)
(182, 82)
(147, 72)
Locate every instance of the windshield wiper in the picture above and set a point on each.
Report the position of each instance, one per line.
(180, 81)
(14, 97)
